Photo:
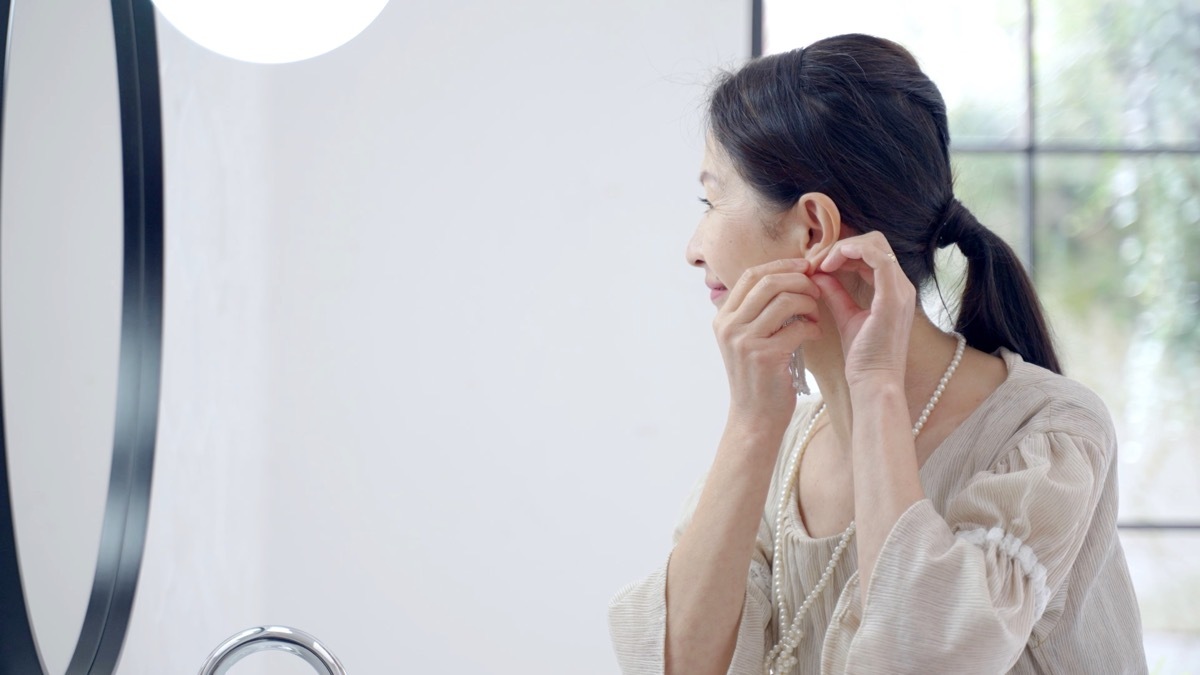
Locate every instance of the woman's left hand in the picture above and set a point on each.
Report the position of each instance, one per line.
(875, 338)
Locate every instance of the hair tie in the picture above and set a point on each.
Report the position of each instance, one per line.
(949, 228)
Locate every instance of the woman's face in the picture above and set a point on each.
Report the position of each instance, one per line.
(732, 235)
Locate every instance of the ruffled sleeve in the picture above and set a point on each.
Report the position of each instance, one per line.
(962, 591)
(637, 615)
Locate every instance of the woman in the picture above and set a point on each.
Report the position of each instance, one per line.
(948, 504)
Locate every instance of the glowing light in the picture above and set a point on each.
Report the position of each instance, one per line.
(270, 31)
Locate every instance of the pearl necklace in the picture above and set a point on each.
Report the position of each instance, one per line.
(781, 659)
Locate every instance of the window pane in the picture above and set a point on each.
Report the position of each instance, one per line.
(989, 185)
(1117, 241)
(973, 51)
(1167, 580)
(1117, 71)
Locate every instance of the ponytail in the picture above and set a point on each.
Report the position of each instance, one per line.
(999, 305)
(854, 117)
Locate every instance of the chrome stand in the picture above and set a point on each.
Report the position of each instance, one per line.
(266, 638)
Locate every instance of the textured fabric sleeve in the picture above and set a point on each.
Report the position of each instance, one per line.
(637, 614)
(962, 592)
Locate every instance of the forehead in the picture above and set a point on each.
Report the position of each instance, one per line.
(712, 166)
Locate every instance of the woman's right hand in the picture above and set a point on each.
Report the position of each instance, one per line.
(756, 345)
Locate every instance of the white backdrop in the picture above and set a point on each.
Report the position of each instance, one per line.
(437, 378)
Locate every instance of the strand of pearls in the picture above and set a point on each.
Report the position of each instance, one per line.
(941, 387)
(782, 658)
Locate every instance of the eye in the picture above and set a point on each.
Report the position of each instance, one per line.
(708, 205)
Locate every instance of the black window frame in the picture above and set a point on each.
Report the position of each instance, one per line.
(1028, 152)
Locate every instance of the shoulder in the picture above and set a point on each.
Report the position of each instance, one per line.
(1032, 408)
(1053, 403)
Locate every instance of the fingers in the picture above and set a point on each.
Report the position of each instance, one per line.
(751, 277)
(773, 286)
(871, 257)
(840, 303)
(871, 248)
(782, 311)
(798, 332)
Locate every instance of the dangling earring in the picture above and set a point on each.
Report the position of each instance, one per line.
(799, 378)
(796, 367)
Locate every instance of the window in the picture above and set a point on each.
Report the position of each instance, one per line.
(1075, 128)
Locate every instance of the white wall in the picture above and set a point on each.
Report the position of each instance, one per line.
(437, 378)
(206, 564)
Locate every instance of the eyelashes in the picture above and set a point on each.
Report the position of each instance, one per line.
(707, 204)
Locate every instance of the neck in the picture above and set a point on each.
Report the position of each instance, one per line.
(929, 352)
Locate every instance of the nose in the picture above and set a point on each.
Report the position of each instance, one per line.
(693, 253)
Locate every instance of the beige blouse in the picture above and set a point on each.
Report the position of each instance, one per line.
(1011, 564)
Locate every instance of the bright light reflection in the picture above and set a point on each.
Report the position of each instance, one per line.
(270, 31)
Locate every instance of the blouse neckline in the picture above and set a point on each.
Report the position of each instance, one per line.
(1012, 361)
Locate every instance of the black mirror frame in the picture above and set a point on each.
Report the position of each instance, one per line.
(126, 514)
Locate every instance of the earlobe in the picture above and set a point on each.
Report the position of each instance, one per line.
(822, 221)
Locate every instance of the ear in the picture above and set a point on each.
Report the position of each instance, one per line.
(816, 221)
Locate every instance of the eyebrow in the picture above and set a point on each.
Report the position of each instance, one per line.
(705, 174)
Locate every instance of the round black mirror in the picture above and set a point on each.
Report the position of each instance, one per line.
(81, 269)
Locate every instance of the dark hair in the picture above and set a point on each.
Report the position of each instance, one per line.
(854, 117)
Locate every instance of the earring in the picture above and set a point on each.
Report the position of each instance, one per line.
(796, 367)
(799, 377)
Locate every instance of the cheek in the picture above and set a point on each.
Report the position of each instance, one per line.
(732, 245)
(726, 261)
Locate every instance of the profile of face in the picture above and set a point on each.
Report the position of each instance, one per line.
(739, 231)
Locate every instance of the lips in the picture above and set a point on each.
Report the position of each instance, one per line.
(718, 289)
